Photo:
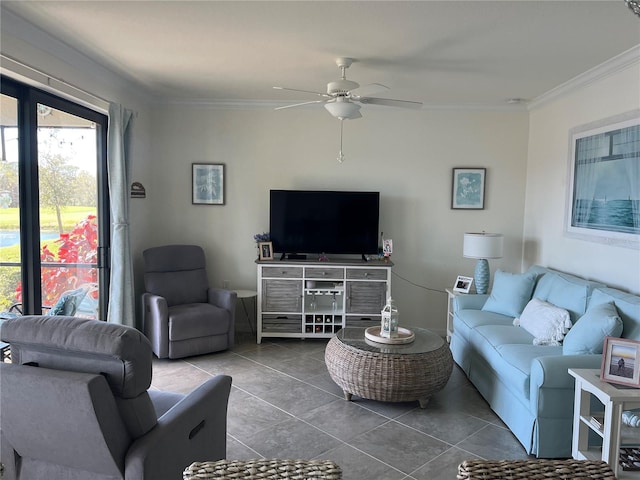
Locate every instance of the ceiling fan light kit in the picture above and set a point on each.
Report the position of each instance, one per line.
(343, 97)
(343, 109)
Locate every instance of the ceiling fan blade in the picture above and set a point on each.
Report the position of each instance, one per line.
(366, 90)
(299, 104)
(320, 94)
(388, 102)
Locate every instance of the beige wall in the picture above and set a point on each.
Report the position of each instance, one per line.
(547, 183)
(408, 156)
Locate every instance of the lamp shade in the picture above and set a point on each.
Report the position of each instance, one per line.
(483, 245)
(343, 109)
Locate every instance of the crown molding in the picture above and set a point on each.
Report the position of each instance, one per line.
(214, 104)
(612, 66)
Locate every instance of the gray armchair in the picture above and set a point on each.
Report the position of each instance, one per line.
(182, 315)
(75, 404)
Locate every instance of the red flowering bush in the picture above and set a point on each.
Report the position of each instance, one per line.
(80, 246)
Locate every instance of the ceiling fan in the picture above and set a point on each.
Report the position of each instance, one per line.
(343, 97)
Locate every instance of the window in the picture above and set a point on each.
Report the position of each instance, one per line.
(54, 223)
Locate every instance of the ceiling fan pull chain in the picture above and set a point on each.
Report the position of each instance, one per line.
(340, 155)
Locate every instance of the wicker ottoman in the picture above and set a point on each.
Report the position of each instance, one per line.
(534, 470)
(272, 469)
(389, 373)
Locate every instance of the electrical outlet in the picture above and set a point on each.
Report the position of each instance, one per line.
(225, 284)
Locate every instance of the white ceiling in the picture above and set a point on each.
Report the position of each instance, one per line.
(441, 53)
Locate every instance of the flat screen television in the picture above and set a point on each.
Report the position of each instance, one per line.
(324, 222)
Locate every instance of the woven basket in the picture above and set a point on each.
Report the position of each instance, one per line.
(388, 377)
(534, 470)
(272, 469)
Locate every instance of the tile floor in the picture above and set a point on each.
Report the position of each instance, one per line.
(283, 404)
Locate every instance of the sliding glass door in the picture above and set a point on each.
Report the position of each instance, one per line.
(53, 205)
(10, 253)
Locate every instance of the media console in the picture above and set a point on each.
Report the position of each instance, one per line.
(312, 299)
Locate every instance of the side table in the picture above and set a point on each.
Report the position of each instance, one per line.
(243, 295)
(615, 399)
(450, 296)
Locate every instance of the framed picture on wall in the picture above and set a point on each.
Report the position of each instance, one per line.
(207, 184)
(603, 195)
(620, 359)
(468, 188)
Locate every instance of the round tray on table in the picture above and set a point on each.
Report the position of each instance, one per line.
(404, 336)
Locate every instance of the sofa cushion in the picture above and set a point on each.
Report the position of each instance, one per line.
(546, 322)
(515, 368)
(509, 351)
(569, 295)
(510, 293)
(628, 307)
(565, 291)
(588, 334)
(544, 284)
(467, 320)
(186, 321)
(496, 335)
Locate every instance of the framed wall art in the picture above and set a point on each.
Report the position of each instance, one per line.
(620, 358)
(207, 184)
(603, 198)
(468, 188)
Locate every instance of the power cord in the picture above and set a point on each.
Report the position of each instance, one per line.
(416, 284)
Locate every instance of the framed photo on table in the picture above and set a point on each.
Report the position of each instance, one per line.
(265, 250)
(463, 284)
(620, 362)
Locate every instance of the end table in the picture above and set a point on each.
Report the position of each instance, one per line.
(615, 399)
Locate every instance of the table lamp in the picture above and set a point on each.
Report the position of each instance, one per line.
(482, 246)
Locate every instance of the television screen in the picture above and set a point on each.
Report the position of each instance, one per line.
(330, 222)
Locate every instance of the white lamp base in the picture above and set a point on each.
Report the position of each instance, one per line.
(481, 276)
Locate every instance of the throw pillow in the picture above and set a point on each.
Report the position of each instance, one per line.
(588, 334)
(546, 322)
(510, 293)
(67, 303)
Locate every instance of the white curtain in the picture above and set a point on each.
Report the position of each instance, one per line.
(121, 295)
(589, 150)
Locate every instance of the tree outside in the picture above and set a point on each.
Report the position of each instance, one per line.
(68, 222)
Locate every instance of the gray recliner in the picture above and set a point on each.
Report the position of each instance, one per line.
(75, 404)
(182, 315)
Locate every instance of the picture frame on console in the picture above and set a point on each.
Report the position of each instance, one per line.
(265, 250)
(621, 362)
(468, 188)
(462, 284)
(207, 183)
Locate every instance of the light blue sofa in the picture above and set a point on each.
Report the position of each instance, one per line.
(528, 385)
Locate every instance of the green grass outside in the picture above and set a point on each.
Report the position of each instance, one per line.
(49, 223)
(9, 219)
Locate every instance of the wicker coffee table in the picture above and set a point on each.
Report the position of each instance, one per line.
(389, 373)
